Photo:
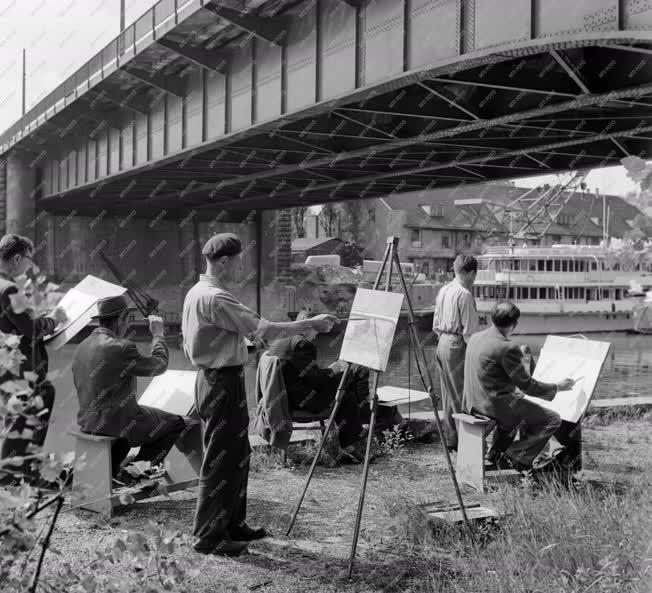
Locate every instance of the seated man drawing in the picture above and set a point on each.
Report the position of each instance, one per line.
(105, 367)
(494, 370)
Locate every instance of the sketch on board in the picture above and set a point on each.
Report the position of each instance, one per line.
(80, 303)
(368, 341)
(577, 359)
(173, 391)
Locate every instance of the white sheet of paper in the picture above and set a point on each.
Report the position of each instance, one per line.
(80, 304)
(573, 358)
(399, 395)
(368, 342)
(173, 391)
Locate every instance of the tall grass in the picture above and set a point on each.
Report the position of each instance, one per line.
(554, 540)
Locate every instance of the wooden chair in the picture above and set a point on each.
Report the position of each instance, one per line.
(92, 485)
(472, 431)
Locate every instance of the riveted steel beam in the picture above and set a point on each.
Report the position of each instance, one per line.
(169, 84)
(271, 29)
(579, 102)
(209, 60)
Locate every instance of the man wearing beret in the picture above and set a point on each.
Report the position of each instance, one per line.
(454, 321)
(214, 327)
(104, 369)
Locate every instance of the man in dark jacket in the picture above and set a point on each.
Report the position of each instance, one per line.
(104, 368)
(493, 370)
(313, 389)
(16, 254)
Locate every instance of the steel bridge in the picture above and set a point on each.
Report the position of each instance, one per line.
(270, 104)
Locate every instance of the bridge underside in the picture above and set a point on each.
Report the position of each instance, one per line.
(569, 100)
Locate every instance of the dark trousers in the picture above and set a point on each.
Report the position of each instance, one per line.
(221, 404)
(537, 425)
(17, 447)
(155, 446)
(348, 417)
(451, 350)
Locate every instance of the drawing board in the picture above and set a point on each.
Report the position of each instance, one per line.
(572, 358)
(80, 304)
(173, 391)
(370, 332)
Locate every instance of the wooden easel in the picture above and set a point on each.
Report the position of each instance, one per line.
(390, 259)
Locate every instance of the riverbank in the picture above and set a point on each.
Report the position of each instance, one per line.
(594, 538)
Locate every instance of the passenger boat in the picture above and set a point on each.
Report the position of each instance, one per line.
(563, 289)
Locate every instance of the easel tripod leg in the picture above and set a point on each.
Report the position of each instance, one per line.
(365, 471)
(338, 398)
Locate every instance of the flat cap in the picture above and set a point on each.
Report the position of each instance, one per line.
(222, 244)
(465, 264)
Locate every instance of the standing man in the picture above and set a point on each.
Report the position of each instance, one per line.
(214, 327)
(16, 259)
(454, 321)
(105, 368)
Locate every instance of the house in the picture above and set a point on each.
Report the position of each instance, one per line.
(435, 226)
(302, 248)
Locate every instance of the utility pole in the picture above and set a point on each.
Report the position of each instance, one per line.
(24, 84)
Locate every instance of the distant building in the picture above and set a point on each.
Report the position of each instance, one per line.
(433, 230)
(302, 248)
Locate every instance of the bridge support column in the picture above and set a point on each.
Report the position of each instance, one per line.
(3, 195)
(20, 196)
(283, 247)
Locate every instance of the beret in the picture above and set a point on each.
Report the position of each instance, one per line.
(222, 244)
(465, 263)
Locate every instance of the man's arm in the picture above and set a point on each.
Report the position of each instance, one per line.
(468, 316)
(512, 362)
(140, 365)
(230, 314)
(25, 324)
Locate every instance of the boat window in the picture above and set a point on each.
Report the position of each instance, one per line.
(582, 293)
(576, 292)
(557, 265)
(551, 293)
(541, 265)
(548, 265)
(511, 294)
(618, 294)
(564, 265)
(616, 266)
(605, 293)
(533, 265)
(594, 265)
(543, 293)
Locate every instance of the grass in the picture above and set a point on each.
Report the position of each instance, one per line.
(595, 539)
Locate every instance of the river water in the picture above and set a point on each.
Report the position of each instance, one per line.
(626, 373)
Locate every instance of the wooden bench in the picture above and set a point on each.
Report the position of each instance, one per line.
(471, 450)
(92, 485)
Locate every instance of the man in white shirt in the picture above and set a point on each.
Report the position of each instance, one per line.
(454, 321)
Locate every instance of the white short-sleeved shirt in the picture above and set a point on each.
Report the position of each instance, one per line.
(455, 311)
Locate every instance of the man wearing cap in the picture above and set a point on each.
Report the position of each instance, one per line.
(104, 368)
(16, 259)
(454, 321)
(214, 327)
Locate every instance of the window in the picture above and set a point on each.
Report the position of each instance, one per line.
(467, 240)
(511, 294)
(541, 265)
(594, 266)
(445, 242)
(564, 265)
(533, 265)
(543, 293)
(557, 266)
(581, 265)
(618, 294)
(605, 293)
(551, 293)
(415, 237)
(583, 293)
(548, 265)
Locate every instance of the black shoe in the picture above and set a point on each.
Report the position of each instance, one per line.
(248, 534)
(225, 547)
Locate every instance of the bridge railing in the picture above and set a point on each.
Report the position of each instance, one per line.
(153, 24)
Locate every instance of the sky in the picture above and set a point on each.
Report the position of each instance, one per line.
(61, 35)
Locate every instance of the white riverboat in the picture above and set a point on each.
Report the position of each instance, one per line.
(563, 289)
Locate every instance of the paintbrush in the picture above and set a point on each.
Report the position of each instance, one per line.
(355, 319)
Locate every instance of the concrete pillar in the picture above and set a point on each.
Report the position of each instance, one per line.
(3, 194)
(20, 204)
(283, 247)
